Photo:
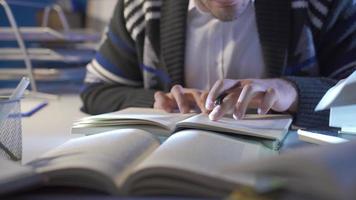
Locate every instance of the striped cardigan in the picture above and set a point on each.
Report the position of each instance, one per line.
(311, 43)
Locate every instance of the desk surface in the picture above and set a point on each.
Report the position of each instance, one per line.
(49, 127)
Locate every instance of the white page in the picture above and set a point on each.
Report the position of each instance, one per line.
(111, 154)
(270, 127)
(194, 154)
(343, 93)
(143, 116)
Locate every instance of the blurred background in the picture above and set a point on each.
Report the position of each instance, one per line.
(60, 36)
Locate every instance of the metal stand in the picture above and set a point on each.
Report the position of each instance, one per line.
(60, 14)
(25, 53)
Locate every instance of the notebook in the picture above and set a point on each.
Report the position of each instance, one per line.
(265, 127)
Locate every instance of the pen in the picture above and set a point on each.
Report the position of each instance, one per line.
(16, 94)
(218, 101)
(34, 110)
(220, 98)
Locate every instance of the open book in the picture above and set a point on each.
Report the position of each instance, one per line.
(132, 162)
(159, 122)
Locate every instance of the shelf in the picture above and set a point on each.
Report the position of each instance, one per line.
(44, 74)
(47, 55)
(45, 34)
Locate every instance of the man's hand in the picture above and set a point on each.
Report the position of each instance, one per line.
(184, 99)
(264, 94)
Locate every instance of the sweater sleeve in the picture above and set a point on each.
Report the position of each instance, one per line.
(103, 97)
(337, 59)
(310, 91)
(114, 78)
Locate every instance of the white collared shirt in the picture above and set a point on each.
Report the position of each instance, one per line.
(216, 49)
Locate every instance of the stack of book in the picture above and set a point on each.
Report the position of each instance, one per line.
(341, 99)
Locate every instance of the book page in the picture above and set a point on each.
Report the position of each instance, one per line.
(101, 161)
(197, 162)
(266, 126)
(135, 116)
(155, 130)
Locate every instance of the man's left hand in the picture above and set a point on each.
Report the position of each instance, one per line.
(183, 99)
(265, 94)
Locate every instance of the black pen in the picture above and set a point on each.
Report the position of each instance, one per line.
(218, 101)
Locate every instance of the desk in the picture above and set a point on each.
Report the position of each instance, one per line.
(54, 132)
(50, 126)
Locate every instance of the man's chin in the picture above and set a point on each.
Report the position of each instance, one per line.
(223, 4)
(226, 17)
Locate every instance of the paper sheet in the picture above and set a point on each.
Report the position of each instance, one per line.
(343, 93)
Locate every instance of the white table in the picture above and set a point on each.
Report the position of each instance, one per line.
(49, 127)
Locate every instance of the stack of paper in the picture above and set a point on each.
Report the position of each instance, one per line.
(341, 99)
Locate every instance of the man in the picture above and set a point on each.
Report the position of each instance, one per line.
(169, 53)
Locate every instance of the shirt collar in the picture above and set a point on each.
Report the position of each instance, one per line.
(192, 6)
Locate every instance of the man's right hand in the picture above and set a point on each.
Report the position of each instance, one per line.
(183, 99)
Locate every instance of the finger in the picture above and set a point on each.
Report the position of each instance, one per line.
(268, 101)
(256, 101)
(213, 94)
(227, 106)
(203, 98)
(162, 101)
(247, 94)
(198, 101)
(178, 94)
